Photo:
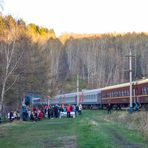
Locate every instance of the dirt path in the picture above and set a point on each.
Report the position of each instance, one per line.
(120, 140)
(115, 135)
(63, 142)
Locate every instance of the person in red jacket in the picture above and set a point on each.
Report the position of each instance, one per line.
(40, 115)
(68, 111)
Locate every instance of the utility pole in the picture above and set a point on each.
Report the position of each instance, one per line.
(77, 89)
(130, 75)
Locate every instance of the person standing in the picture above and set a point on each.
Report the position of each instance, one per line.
(40, 115)
(11, 116)
(109, 107)
(68, 111)
(49, 112)
(80, 109)
(56, 111)
(77, 110)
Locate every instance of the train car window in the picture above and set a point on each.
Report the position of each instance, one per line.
(145, 90)
(94, 96)
(119, 93)
(99, 95)
(104, 95)
(128, 93)
(116, 94)
(124, 92)
(87, 97)
(112, 94)
(109, 95)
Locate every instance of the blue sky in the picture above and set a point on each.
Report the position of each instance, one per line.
(82, 16)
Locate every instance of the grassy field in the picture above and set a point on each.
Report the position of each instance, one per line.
(90, 130)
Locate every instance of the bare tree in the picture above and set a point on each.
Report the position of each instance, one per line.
(11, 57)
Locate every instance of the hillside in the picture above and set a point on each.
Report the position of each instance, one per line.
(43, 64)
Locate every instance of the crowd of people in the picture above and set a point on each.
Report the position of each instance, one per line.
(37, 113)
(47, 111)
(13, 115)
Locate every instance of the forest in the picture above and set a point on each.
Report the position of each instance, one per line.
(33, 59)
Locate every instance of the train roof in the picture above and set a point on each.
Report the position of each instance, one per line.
(92, 91)
(116, 86)
(71, 94)
(141, 81)
(67, 95)
(95, 91)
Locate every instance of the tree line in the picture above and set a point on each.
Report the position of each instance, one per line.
(33, 59)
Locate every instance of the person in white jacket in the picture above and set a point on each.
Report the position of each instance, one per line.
(80, 109)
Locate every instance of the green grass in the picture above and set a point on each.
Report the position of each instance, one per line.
(90, 130)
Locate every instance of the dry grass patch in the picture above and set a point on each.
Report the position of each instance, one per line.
(137, 120)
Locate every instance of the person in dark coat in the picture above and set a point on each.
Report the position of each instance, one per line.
(77, 110)
(35, 116)
(56, 111)
(49, 112)
(109, 107)
(11, 116)
(32, 116)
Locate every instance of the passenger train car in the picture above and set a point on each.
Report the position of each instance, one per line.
(91, 98)
(69, 98)
(120, 94)
(85, 97)
(116, 95)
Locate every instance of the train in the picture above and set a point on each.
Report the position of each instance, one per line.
(117, 95)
